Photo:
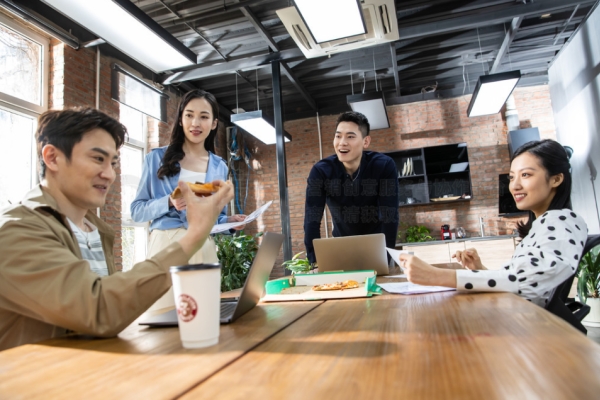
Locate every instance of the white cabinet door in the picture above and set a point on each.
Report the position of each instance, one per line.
(493, 253)
(433, 253)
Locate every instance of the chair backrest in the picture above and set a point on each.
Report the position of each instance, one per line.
(557, 303)
(564, 288)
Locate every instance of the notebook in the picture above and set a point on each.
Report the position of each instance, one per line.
(352, 253)
(251, 292)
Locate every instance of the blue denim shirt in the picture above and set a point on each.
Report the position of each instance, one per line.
(152, 200)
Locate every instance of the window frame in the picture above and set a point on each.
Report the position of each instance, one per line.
(15, 103)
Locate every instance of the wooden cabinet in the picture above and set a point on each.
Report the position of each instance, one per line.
(433, 253)
(494, 253)
(433, 174)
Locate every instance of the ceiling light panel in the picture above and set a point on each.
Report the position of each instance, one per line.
(332, 19)
(121, 29)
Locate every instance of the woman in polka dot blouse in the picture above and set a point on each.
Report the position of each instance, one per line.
(552, 239)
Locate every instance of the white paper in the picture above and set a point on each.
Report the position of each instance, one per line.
(249, 218)
(411, 288)
(395, 254)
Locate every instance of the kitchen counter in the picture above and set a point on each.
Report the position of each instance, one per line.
(472, 239)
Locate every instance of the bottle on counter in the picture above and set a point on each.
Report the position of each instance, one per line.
(446, 232)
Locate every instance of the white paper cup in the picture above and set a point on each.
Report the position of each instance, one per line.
(197, 290)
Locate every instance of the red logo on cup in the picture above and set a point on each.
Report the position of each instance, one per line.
(186, 308)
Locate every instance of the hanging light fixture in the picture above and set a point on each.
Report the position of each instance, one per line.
(371, 105)
(254, 123)
(491, 93)
(122, 24)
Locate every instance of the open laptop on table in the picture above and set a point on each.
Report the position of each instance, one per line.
(352, 253)
(251, 292)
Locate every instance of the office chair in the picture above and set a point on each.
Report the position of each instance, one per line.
(567, 308)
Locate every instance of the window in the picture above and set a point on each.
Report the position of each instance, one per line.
(23, 96)
(134, 235)
(141, 105)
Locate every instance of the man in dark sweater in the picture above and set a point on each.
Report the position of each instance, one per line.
(360, 187)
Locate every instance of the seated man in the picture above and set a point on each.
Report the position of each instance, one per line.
(359, 187)
(57, 271)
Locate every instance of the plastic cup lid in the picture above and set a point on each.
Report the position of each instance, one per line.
(194, 267)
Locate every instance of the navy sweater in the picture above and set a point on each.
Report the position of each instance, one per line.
(362, 204)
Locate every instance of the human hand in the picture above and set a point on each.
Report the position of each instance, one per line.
(237, 218)
(419, 272)
(202, 212)
(469, 259)
(179, 203)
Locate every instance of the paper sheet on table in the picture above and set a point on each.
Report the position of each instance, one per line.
(411, 288)
(249, 218)
(395, 254)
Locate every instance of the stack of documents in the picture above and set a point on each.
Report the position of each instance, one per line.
(411, 288)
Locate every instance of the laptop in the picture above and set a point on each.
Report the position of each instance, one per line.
(232, 309)
(352, 253)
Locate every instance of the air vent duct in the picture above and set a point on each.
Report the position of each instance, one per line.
(380, 21)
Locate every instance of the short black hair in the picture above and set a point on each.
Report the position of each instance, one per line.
(358, 118)
(65, 128)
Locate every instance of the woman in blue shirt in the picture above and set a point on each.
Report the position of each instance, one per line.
(188, 157)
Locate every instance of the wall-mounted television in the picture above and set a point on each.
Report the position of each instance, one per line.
(506, 203)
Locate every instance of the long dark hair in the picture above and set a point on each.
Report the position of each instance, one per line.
(554, 160)
(174, 154)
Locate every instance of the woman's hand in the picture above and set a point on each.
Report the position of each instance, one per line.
(202, 213)
(237, 218)
(419, 272)
(179, 203)
(469, 259)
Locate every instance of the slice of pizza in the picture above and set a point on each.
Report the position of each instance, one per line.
(200, 189)
(349, 284)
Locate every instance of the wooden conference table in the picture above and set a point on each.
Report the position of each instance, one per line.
(438, 345)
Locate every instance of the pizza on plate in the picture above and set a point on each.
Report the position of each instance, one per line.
(349, 284)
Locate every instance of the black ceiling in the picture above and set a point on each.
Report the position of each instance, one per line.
(444, 46)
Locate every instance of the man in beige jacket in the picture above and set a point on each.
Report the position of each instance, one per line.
(46, 287)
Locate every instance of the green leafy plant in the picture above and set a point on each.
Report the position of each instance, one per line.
(236, 253)
(588, 275)
(298, 265)
(417, 233)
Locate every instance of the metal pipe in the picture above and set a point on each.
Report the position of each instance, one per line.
(98, 78)
(281, 166)
(481, 226)
(320, 158)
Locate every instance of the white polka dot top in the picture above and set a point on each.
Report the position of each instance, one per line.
(544, 259)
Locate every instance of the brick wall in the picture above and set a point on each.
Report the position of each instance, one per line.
(412, 125)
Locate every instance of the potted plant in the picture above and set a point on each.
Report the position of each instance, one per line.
(588, 285)
(298, 265)
(417, 233)
(236, 253)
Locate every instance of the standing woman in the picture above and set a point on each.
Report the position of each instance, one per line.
(189, 157)
(552, 239)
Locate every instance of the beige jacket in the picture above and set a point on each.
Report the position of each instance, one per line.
(47, 289)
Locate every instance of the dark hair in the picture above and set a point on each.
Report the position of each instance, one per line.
(174, 154)
(65, 128)
(358, 118)
(555, 160)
